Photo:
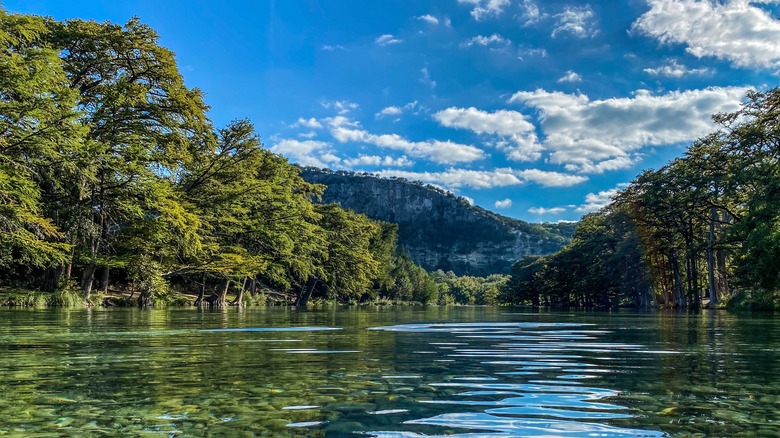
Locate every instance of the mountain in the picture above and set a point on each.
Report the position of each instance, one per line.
(437, 228)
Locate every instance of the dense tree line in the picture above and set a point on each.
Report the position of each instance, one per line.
(702, 230)
(111, 172)
(112, 175)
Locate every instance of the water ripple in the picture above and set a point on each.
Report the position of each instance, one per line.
(501, 358)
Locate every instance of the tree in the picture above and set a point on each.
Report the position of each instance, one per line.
(37, 129)
(141, 123)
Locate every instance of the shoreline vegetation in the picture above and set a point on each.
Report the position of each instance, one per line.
(702, 231)
(115, 183)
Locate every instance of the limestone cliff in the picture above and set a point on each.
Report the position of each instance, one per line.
(437, 228)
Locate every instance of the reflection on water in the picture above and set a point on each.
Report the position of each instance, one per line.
(557, 405)
(392, 372)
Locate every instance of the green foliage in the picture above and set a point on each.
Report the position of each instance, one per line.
(67, 297)
(113, 177)
(703, 229)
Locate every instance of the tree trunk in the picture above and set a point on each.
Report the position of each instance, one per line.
(104, 273)
(253, 287)
(679, 294)
(87, 278)
(51, 278)
(303, 299)
(69, 264)
(145, 300)
(239, 300)
(713, 290)
(219, 300)
(202, 293)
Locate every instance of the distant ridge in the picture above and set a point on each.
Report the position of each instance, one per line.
(437, 228)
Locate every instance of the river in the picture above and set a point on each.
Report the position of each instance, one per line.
(388, 372)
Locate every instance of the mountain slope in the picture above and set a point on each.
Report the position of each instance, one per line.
(437, 228)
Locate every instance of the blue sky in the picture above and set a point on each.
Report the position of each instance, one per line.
(535, 109)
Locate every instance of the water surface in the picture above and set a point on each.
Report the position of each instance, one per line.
(387, 372)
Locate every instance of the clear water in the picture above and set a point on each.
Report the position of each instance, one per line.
(387, 372)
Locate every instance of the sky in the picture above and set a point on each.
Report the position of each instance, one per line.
(535, 109)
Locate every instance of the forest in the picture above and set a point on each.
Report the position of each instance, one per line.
(702, 231)
(112, 177)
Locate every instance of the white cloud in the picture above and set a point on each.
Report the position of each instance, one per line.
(389, 111)
(531, 13)
(333, 48)
(503, 122)
(551, 179)
(454, 178)
(395, 110)
(483, 9)
(543, 211)
(445, 152)
(485, 179)
(310, 134)
(577, 21)
(492, 40)
(570, 76)
(597, 201)
(531, 52)
(734, 30)
(311, 123)
(306, 152)
(519, 140)
(342, 106)
(616, 163)
(506, 203)
(674, 70)
(373, 160)
(426, 78)
(430, 19)
(387, 39)
(583, 133)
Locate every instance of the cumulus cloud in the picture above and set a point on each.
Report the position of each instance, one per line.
(307, 152)
(485, 41)
(486, 179)
(373, 160)
(570, 76)
(531, 14)
(389, 111)
(616, 163)
(674, 70)
(577, 21)
(506, 203)
(387, 40)
(733, 30)
(543, 211)
(519, 140)
(502, 122)
(430, 19)
(551, 179)
(582, 133)
(310, 134)
(597, 201)
(445, 152)
(341, 106)
(395, 110)
(311, 123)
(482, 9)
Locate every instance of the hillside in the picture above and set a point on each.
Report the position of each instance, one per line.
(437, 228)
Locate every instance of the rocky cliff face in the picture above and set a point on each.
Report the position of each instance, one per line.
(438, 229)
